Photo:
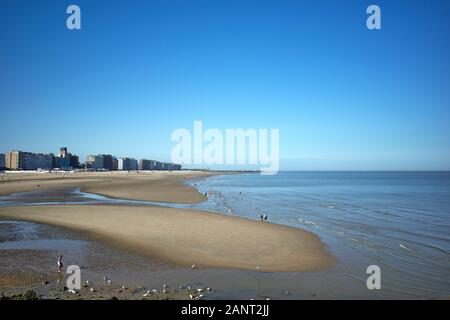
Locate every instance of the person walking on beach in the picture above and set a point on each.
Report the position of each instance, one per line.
(265, 218)
(262, 218)
(60, 264)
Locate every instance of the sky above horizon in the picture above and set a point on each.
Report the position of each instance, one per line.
(343, 97)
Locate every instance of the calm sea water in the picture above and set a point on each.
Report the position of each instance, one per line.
(399, 221)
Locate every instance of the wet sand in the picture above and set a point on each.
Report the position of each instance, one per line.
(186, 237)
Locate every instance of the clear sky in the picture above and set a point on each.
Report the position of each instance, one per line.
(344, 97)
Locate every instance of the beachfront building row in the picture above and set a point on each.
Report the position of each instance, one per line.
(157, 165)
(127, 164)
(108, 162)
(20, 160)
(100, 162)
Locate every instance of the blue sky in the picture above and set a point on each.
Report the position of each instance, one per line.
(344, 97)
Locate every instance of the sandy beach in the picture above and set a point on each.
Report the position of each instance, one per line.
(179, 236)
(187, 237)
(164, 186)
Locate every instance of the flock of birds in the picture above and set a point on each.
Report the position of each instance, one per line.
(194, 293)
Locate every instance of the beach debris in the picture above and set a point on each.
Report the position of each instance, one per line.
(46, 283)
(194, 266)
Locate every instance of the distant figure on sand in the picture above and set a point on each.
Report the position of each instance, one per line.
(59, 263)
(262, 218)
(265, 218)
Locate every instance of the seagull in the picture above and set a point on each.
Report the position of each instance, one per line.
(87, 282)
(194, 266)
(189, 287)
(92, 290)
(123, 287)
(155, 291)
(181, 287)
(164, 285)
(201, 296)
(147, 293)
(72, 291)
(191, 296)
(199, 290)
(208, 289)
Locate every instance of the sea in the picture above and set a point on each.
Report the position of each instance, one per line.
(397, 221)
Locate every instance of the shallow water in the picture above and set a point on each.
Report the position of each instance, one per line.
(399, 221)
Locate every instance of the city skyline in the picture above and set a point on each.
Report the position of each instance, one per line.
(343, 97)
(25, 160)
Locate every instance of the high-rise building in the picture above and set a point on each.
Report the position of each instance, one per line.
(100, 162)
(14, 160)
(19, 160)
(63, 152)
(127, 164)
(90, 161)
(2, 161)
(107, 161)
(74, 161)
(66, 160)
(115, 164)
(145, 164)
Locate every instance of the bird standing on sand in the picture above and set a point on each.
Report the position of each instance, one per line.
(59, 264)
